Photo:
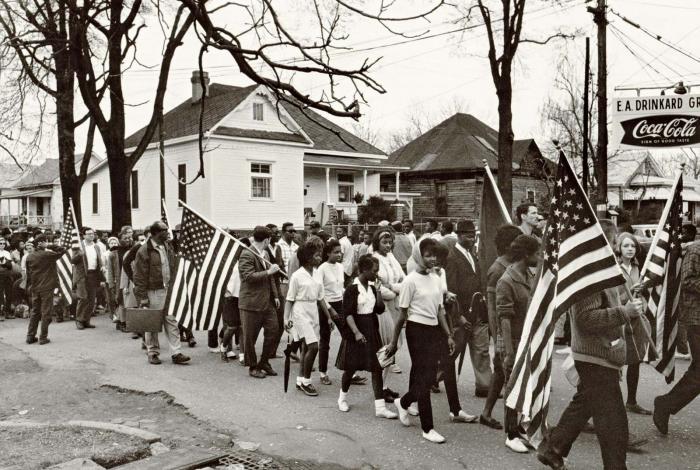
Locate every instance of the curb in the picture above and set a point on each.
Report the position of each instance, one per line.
(147, 436)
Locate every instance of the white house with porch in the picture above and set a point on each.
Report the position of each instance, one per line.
(262, 164)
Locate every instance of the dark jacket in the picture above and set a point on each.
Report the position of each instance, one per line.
(41, 270)
(128, 260)
(148, 269)
(463, 281)
(350, 301)
(513, 294)
(496, 271)
(275, 255)
(258, 289)
(597, 333)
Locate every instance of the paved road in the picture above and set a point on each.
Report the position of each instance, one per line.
(296, 426)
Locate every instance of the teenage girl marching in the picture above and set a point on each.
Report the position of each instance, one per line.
(332, 277)
(301, 313)
(361, 305)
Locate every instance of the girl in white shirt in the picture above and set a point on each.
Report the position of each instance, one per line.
(301, 313)
(331, 275)
(421, 307)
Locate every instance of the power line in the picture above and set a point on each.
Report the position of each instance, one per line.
(657, 37)
(616, 33)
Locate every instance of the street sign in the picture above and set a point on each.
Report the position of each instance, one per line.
(665, 121)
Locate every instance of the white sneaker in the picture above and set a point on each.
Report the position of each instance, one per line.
(240, 359)
(214, 350)
(463, 417)
(343, 405)
(385, 413)
(516, 445)
(403, 413)
(563, 351)
(231, 354)
(433, 436)
(413, 409)
(395, 369)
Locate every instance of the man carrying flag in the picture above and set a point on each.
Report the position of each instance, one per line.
(579, 271)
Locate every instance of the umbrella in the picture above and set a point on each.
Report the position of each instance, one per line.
(291, 347)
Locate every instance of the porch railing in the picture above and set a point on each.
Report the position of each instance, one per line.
(43, 221)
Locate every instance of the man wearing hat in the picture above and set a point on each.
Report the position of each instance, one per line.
(315, 229)
(463, 279)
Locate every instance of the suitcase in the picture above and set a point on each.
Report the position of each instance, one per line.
(144, 320)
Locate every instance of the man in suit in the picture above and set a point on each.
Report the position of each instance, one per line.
(463, 279)
(87, 276)
(43, 279)
(258, 302)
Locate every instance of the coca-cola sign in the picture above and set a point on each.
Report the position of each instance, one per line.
(656, 121)
(661, 131)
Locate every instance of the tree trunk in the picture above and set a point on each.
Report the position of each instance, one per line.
(119, 178)
(505, 139)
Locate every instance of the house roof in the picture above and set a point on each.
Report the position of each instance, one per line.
(257, 134)
(9, 175)
(48, 172)
(183, 121)
(460, 142)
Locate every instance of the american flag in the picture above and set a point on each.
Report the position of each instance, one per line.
(578, 261)
(164, 217)
(204, 267)
(70, 239)
(662, 270)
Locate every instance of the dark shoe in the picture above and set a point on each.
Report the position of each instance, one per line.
(257, 373)
(192, 343)
(435, 389)
(118, 325)
(44, 341)
(143, 346)
(635, 408)
(31, 339)
(490, 422)
(391, 392)
(634, 442)
(180, 358)
(481, 393)
(294, 357)
(309, 390)
(154, 359)
(389, 395)
(135, 336)
(88, 325)
(325, 380)
(357, 380)
(549, 458)
(267, 368)
(661, 416)
(79, 325)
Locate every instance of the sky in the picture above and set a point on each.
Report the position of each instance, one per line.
(430, 76)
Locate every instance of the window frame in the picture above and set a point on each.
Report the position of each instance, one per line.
(351, 194)
(181, 188)
(95, 199)
(260, 175)
(527, 195)
(441, 207)
(134, 189)
(258, 107)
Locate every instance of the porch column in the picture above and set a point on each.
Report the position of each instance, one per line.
(397, 184)
(364, 182)
(328, 186)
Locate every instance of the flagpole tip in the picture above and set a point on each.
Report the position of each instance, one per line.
(485, 162)
(556, 143)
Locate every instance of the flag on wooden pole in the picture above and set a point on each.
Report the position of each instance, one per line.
(662, 273)
(70, 239)
(578, 261)
(493, 215)
(164, 217)
(205, 264)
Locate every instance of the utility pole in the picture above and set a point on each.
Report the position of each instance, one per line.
(601, 170)
(161, 158)
(586, 117)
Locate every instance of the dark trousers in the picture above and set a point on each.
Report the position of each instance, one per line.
(510, 416)
(42, 303)
(688, 386)
(6, 296)
(253, 322)
(324, 342)
(424, 347)
(449, 376)
(498, 378)
(86, 306)
(598, 395)
(280, 313)
(231, 317)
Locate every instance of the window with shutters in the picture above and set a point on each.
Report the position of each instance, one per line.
(134, 189)
(95, 199)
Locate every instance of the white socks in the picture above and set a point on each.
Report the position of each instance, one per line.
(343, 402)
(381, 411)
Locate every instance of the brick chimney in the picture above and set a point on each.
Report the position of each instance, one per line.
(197, 86)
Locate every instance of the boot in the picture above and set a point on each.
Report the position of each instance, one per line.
(381, 411)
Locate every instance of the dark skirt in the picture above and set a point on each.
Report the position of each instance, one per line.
(354, 356)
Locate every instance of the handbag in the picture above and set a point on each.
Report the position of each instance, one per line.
(145, 320)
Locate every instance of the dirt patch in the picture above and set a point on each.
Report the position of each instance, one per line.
(43, 447)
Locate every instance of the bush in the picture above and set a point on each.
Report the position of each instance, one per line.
(376, 210)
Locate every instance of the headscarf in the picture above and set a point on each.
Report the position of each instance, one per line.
(415, 262)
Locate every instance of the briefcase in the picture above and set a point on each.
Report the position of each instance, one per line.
(144, 320)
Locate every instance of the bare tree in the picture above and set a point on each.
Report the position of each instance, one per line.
(688, 157)
(37, 33)
(502, 50)
(99, 71)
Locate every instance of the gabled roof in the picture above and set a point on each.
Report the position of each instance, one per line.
(48, 172)
(183, 121)
(9, 174)
(461, 142)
